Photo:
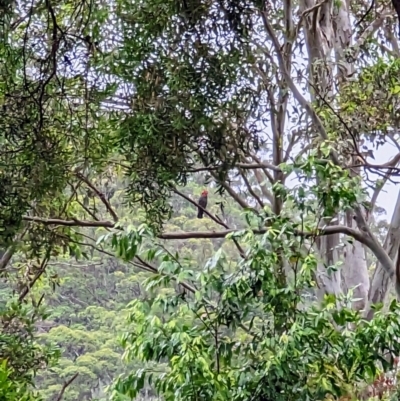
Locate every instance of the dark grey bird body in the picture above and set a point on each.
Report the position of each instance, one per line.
(203, 203)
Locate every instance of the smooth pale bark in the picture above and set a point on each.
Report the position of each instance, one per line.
(343, 31)
(381, 280)
(355, 268)
(355, 271)
(319, 40)
(336, 32)
(328, 282)
(320, 32)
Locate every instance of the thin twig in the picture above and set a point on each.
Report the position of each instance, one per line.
(65, 385)
(142, 265)
(99, 194)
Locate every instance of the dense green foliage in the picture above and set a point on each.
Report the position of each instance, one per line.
(115, 116)
(241, 335)
(22, 356)
(240, 331)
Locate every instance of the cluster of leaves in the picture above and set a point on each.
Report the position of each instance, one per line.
(333, 190)
(21, 355)
(377, 117)
(32, 159)
(243, 333)
(190, 93)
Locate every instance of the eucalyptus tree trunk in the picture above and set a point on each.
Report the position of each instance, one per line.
(318, 34)
(355, 270)
(331, 32)
(381, 281)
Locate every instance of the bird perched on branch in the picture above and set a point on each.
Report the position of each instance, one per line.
(203, 203)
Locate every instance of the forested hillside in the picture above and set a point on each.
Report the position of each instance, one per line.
(192, 200)
(87, 296)
(88, 310)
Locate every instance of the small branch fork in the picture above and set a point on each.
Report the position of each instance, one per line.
(65, 385)
(99, 194)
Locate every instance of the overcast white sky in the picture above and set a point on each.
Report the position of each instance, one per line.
(388, 196)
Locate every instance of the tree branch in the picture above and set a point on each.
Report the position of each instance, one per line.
(357, 235)
(70, 223)
(233, 194)
(32, 281)
(329, 230)
(65, 385)
(252, 166)
(217, 220)
(362, 236)
(391, 163)
(244, 166)
(263, 186)
(5, 259)
(250, 189)
(8, 254)
(267, 174)
(212, 217)
(99, 194)
(369, 31)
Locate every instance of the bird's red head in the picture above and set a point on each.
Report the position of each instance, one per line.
(204, 193)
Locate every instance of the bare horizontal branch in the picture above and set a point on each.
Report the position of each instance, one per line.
(357, 235)
(245, 166)
(70, 223)
(252, 166)
(361, 236)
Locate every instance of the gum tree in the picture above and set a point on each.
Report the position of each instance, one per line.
(243, 96)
